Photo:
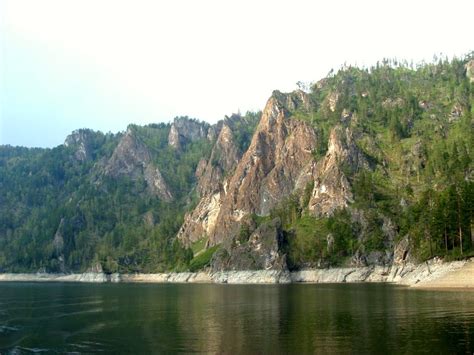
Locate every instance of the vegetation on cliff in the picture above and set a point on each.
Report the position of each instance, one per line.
(391, 158)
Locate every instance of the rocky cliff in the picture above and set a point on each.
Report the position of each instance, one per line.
(369, 167)
(132, 159)
(332, 189)
(269, 169)
(184, 130)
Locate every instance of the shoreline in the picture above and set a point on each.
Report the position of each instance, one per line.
(433, 274)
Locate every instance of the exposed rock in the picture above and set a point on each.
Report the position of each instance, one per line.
(96, 268)
(401, 254)
(470, 70)
(131, 158)
(433, 273)
(332, 190)
(252, 277)
(331, 100)
(201, 222)
(268, 171)
(212, 133)
(261, 251)
(294, 100)
(173, 137)
(201, 168)
(224, 158)
(82, 141)
(184, 130)
(359, 259)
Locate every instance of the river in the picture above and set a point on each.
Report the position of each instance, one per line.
(213, 318)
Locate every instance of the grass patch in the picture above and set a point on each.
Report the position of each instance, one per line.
(203, 259)
(198, 246)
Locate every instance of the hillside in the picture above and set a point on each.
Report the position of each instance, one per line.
(369, 167)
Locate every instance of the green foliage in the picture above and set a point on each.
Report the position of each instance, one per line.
(203, 259)
(243, 128)
(413, 124)
(199, 245)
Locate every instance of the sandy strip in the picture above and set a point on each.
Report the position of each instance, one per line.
(462, 277)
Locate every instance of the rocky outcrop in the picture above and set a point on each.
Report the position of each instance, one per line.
(470, 70)
(131, 158)
(268, 171)
(331, 189)
(184, 130)
(81, 141)
(433, 273)
(201, 222)
(401, 254)
(260, 252)
(224, 157)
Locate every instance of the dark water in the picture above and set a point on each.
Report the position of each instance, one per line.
(147, 318)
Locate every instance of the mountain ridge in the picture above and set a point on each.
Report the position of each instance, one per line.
(363, 163)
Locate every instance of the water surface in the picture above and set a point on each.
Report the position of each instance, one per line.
(146, 318)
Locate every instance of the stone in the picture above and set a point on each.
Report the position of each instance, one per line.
(260, 252)
(184, 130)
(332, 190)
(268, 171)
(132, 158)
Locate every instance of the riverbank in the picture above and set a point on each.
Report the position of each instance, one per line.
(431, 274)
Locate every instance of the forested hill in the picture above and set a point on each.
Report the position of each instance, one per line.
(366, 167)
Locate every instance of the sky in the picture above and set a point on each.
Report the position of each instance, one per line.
(105, 64)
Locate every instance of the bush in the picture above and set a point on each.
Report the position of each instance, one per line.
(202, 260)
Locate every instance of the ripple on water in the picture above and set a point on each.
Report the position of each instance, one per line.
(5, 329)
(17, 350)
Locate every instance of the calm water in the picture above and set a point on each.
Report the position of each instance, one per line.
(145, 318)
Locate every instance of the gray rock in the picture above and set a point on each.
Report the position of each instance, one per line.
(260, 252)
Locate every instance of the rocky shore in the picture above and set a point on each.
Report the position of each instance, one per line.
(431, 274)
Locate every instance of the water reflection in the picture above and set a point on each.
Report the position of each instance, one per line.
(234, 319)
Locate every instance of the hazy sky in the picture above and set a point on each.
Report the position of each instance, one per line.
(104, 64)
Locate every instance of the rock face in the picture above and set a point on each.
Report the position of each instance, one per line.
(184, 130)
(225, 155)
(131, 158)
(268, 171)
(82, 141)
(232, 186)
(470, 70)
(260, 252)
(331, 187)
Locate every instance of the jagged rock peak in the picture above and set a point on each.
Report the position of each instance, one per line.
(267, 172)
(224, 157)
(132, 158)
(293, 101)
(82, 141)
(184, 130)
